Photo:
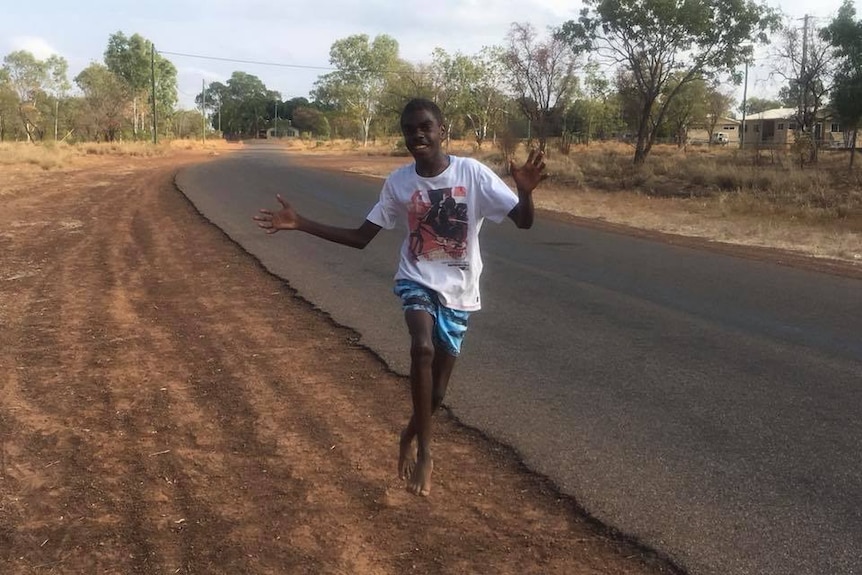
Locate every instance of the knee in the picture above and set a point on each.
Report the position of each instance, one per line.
(421, 351)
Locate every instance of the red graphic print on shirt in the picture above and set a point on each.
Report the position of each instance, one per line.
(438, 223)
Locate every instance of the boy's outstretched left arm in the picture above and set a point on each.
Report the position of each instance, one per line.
(527, 177)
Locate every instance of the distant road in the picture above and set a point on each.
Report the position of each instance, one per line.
(705, 404)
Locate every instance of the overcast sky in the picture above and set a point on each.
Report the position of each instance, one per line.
(293, 33)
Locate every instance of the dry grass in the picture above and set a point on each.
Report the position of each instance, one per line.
(58, 155)
(718, 194)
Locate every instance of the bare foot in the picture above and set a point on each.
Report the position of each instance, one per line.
(405, 457)
(420, 481)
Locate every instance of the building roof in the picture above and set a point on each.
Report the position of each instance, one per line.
(774, 114)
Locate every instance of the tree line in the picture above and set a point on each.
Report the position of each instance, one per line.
(646, 70)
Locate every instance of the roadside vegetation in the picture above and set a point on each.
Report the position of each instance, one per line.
(713, 193)
(753, 182)
(51, 155)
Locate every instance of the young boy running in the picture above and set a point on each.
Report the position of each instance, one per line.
(442, 200)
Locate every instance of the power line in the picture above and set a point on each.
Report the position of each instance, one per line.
(256, 62)
(282, 65)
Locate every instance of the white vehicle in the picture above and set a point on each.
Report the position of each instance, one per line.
(720, 138)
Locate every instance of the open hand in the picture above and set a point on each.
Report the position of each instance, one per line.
(528, 176)
(284, 219)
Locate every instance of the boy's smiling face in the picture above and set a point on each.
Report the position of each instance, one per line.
(423, 134)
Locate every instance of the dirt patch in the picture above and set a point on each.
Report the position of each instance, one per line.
(164, 409)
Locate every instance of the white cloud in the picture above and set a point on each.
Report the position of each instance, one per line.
(39, 47)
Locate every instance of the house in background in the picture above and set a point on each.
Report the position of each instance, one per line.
(283, 132)
(777, 128)
(770, 128)
(726, 132)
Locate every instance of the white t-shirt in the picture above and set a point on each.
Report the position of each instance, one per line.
(443, 216)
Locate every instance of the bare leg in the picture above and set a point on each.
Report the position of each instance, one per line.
(441, 372)
(422, 360)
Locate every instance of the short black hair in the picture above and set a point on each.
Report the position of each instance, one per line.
(417, 104)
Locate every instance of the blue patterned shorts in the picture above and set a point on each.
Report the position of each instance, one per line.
(450, 325)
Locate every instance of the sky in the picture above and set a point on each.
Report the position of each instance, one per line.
(298, 35)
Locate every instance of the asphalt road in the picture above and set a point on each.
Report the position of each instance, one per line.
(705, 404)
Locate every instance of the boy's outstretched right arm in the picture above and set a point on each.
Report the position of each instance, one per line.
(288, 219)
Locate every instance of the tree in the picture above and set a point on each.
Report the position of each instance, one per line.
(718, 105)
(844, 34)
(31, 80)
(215, 95)
(187, 123)
(357, 85)
(806, 62)
(56, 84)
(450, 78)
(541, 73)
(595, 112)
(166, 86)
(468, 90)
(8, 108)
(105, 98)
(658, 40)
(308, 119)
(755, 105)
(132, 59)
(689, 106)
(244, 104)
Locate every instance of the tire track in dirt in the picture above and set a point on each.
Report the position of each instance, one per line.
(170, 407)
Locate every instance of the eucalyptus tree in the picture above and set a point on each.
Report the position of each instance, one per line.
(211, 101)
(288, 108)
(57, 85)
(806, 62)
(311, 120)
(657, 41)
(9, 125)
(358, 83)
(134, 60)
(595, 110)
(469, 90)
(687, 108)
(406, 81)
(33, 81)
(844, 34)
(755, 105)
(541, 74)
(450, 78)
(486, 103)
(243, 103)
(105, 96)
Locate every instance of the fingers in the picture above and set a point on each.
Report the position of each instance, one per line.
(266, 217)
(281, 200)
(536, 157)
(267, 226)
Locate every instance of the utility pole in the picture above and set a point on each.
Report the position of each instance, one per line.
(803, 80)
(744, 106)
(275, 134)
(153, 78)
(203, 111)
